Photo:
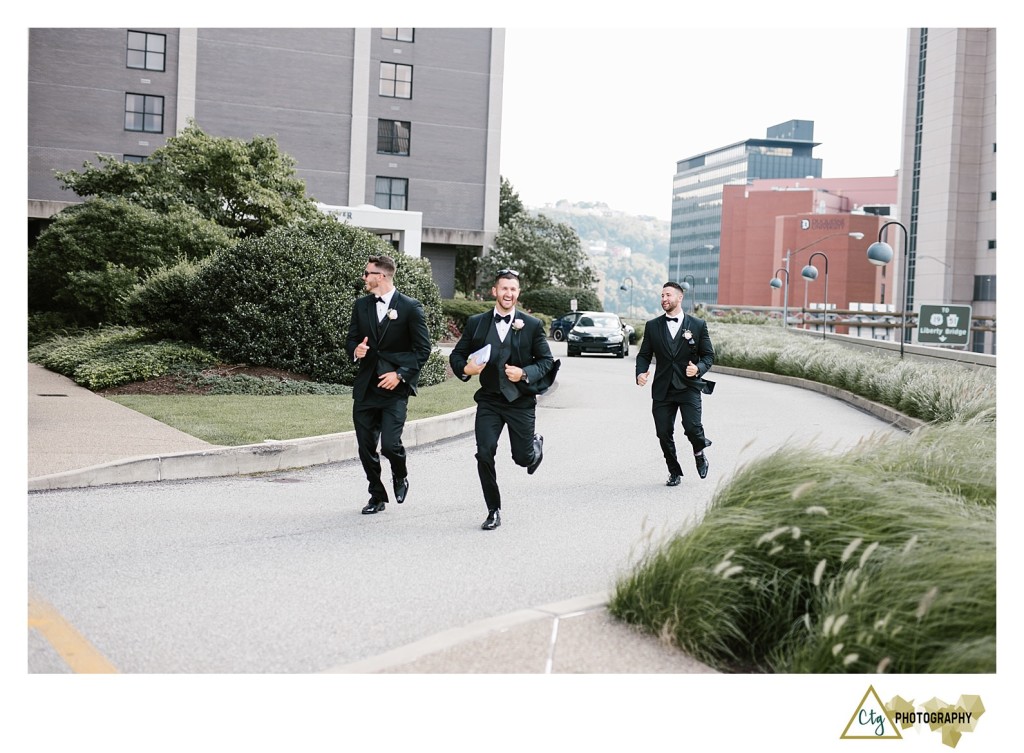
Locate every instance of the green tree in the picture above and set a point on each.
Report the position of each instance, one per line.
(644, 289)
(509, 203)
(246, 186)
(93, 253)
(545, 253)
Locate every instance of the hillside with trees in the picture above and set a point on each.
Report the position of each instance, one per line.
(623, 249)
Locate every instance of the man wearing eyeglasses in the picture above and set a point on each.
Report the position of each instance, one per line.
(518, 369)
(388, 336)
(681, 347)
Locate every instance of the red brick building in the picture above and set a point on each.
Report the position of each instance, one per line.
(766, 219)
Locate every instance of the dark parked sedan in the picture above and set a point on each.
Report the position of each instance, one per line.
(560, 327)
(598, 332)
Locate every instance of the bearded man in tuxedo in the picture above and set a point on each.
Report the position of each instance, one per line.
(681, 348)
(519, 367)
(388, 336)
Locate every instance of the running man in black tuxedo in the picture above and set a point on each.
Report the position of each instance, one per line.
(388, 336)
(682, 350)
(520, 361)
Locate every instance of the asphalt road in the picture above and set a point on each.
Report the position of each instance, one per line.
(282, 574)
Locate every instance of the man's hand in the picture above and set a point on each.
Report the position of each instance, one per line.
(514, 373)
(389, 380)
(641, 379)
(362, 348)
(472, 368)
(691, 369)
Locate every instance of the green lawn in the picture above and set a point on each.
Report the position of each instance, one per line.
(248, 419)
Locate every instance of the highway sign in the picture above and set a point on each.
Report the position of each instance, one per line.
(944, 325)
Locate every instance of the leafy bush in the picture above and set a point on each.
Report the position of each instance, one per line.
(556, 301)
(245, 384)
(435, 370)
(117, 355)
(460, 309)
(93, 253)
(45, 325)
(285, 299)
(164, 303)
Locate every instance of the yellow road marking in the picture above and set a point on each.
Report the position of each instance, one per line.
(80, 655)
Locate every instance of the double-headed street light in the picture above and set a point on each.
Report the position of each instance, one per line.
(688, 287)
(777, 283)
(810, 272)
(630, 289)
(880, 253)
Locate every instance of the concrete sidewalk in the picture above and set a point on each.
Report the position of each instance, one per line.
(77, 438)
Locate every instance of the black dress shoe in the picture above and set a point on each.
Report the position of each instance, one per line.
(373, 506)
(674, 480)
(538, 453)
(493, 520)
(702, 465)
(401, 489)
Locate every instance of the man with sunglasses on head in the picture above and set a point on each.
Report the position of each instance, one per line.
(518, 368)
(388, 336)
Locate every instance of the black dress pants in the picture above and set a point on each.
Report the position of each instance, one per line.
(379, 418)
(493, 413)
(687, 403)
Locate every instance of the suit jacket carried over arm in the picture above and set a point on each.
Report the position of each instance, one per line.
(530, 350)
(401, 344)
(697, 349)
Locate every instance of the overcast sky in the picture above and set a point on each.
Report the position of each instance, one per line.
(604, 114)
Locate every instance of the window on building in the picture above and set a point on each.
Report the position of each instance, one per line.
(992, 196)
(146, 50)
(136, 158)
(396, 80)
(143, 112)
(393, 137)
(992, 244)
(391, 193)
(984, 287)
(399, 35)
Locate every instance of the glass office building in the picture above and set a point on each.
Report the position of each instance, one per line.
(785, 152)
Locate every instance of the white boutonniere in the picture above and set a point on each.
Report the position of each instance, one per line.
(687, 335)
(392, 314)
(517, 324)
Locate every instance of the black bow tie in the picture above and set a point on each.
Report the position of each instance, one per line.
(379, 299)
(671, 319)
(500, 318)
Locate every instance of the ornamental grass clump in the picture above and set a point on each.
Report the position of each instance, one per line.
(797, 553)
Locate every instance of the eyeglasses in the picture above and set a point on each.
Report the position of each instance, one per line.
(368, 273)
(504, 272)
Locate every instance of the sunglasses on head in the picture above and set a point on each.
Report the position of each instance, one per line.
(508, 272)
(367, 273)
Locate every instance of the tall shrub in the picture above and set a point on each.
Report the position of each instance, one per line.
(285, 299)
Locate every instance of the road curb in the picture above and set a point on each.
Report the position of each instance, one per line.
(269, 456)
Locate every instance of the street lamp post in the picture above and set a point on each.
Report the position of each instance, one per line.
(687, 287)
(880, 253)
(630, 289)
(790, 254)
(777, 283)
(810, 272)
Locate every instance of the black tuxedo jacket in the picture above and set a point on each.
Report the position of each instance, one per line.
(697, 349)
(529, 350)
(401, 344)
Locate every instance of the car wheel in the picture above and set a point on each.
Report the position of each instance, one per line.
(558, 335)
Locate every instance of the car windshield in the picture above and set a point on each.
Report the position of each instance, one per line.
(607, 322)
